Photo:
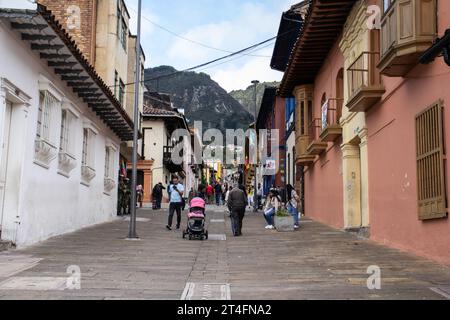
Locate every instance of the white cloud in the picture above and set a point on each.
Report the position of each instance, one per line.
(235, 77)
(255, 23)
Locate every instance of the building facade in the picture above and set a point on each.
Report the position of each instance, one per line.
(160, 121)
(371, 131)
(61, 129)
(101, 29)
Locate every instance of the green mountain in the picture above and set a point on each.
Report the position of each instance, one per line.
(201, 98)
(247, 97)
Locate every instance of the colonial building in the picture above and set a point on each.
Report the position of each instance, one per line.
(272, 117)
(160, 120)
(101, 28)
(60, 126)
(371, 131)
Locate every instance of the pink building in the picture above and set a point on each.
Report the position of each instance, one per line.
(371, 127)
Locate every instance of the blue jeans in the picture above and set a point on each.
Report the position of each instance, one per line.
(294, 212)
(218, 199)
(269, 216)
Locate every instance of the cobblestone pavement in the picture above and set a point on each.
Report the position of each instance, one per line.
(316, 262)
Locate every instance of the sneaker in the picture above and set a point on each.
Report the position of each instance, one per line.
(296, 227)
(169, 228)
(269, 227)
(178, 227)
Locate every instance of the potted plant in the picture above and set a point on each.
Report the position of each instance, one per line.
(284, 221)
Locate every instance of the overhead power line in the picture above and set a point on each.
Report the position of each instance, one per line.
(240, 52)
(191, 40)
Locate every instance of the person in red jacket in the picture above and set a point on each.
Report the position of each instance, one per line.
(210, 194)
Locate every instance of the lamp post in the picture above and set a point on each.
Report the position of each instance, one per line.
(255, 192)
(132, 233)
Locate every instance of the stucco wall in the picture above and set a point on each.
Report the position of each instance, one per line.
(392, 164)
(323, 180)
(46, 203)
(392, 158)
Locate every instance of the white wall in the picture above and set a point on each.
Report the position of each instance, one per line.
(49, 204)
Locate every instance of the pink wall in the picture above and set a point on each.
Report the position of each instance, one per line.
(392, 158)
(323, 180)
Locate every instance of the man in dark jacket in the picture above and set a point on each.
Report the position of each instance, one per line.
(158, 194)
(237, 201)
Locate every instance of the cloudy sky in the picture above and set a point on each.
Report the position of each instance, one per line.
(228, 25)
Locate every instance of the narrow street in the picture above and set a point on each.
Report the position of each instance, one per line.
(315, 263)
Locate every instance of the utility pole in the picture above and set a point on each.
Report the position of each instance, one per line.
(255, 192)
(133, 234)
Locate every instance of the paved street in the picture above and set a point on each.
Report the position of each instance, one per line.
(315, 263)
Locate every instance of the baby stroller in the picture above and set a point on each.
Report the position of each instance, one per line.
(196, 220)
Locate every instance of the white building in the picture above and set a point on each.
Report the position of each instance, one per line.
(160, 121)
(61, 129)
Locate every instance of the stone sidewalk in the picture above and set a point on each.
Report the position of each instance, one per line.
(316, 262)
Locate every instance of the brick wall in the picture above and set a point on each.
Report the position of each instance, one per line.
(82, 26)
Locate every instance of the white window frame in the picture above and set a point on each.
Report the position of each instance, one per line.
(109, 174)
(88, 171)
(47, 123)
(68, 133)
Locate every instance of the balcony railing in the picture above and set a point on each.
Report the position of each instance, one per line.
(365, 86)
(168, 163)
(316, 145)
(331, 114)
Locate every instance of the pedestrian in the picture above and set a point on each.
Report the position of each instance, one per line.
(201, 192)
(139, 195)
(250, 197)
(176, 191)
(191, 195)
(218, 193)
(292, 204)
(259, 195)
(224, 191)
(121, 199)
(157, 195)
(273, 204)
(210, 194)
(237, 202)
(227, 197)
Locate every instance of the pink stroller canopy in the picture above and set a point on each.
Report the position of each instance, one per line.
(198, 203)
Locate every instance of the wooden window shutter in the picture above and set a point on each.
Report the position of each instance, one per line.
(430, 163)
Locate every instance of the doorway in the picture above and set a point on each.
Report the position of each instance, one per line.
(4, 160)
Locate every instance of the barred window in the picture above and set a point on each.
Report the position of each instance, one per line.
(64, 139)
(430, 163)
(47, 105)
(84, 159)
(108, 162)
(121, 92)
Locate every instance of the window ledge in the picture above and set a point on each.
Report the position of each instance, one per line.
(67, 163)
(45, 153)
(87, 175)
(109, 185)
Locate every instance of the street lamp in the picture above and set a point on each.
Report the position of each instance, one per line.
(255, 192)
(132, 233)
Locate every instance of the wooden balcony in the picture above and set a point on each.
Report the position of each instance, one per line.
(316, 146)
(168, 163)
(365, 86)
(303, 158)
(331, 113)
(408, 28)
